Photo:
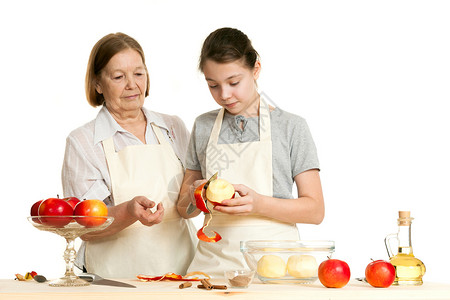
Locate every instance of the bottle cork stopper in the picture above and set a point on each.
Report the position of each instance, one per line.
(404, 218)
(404, 214)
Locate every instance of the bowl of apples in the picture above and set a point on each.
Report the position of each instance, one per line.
(69, 218)
(286, 261)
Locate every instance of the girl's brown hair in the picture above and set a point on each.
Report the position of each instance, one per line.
(227, 45)
(101, 53)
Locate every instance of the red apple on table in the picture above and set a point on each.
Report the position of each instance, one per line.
(94, 212)
(334, 273)
(380, 273)
(55, 207)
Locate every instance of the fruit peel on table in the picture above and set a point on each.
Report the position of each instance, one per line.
(28, 276)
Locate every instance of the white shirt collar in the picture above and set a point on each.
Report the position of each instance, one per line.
(106, 126)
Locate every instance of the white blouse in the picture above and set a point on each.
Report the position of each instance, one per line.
(85, 172)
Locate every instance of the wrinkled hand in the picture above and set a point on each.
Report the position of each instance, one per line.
(139, 207)
(244, 205)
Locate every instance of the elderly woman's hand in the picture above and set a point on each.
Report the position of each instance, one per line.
(139, 207)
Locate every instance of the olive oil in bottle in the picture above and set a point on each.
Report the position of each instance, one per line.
(408, 269)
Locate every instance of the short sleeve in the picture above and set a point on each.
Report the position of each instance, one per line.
(192, 160)
(303, 149)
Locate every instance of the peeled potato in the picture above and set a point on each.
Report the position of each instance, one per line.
(271, 266)
(302, 266)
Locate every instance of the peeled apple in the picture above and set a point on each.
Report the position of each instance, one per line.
(219, 190)
(271, 266)
(302, 266)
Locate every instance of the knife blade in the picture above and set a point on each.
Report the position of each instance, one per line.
(214, 177)
(191, 207)
(98, 280)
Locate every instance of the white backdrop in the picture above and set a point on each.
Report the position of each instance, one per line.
(370, 77)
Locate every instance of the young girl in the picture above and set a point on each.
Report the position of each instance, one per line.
(262, 149)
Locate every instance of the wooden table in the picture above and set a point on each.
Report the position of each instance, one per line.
(30, 290)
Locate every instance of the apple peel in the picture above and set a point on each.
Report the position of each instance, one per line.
(28, 276)
(203, 236)
(192, 276)
(209, 239)
(200, 201)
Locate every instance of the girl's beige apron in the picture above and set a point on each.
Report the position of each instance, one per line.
(155, 172)
(244, 163)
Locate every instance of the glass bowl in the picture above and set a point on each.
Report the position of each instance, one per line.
(286, 261)
(239, 278)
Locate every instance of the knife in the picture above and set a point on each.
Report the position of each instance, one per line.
(98, 280)
(191, 207)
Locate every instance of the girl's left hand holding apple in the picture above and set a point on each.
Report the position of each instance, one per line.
(247, 203)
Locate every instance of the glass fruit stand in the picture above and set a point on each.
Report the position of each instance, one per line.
(70, 227)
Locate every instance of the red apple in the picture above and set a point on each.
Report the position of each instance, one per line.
(73, 201)
(380, 273)
(94, 212)
(34, 211)
(219, 190)
(55, 207)
(334, 273)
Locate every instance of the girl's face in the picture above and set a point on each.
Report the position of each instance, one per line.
(233, 86)
(123, 82)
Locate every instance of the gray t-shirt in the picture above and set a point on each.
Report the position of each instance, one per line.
(293, 149)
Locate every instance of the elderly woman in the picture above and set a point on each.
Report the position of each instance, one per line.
(132, 159)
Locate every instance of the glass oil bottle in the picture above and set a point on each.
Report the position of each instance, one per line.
(408, 269)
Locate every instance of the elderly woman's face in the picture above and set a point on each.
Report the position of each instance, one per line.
(123, 82)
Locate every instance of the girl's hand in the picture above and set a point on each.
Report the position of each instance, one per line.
(246, 204)
(139, 207)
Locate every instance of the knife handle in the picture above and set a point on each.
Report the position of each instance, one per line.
(87, 277)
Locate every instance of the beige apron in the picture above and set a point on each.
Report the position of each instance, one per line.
(244, 163)
(155, 172)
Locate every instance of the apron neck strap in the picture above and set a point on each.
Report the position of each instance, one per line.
(108, 146)
(264, 123)
(159, 135)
